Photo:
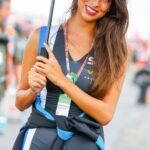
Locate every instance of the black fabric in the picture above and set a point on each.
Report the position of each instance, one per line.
(19, 140)
(74, 124)
(77, 142)
(83, 82)
(85, 127)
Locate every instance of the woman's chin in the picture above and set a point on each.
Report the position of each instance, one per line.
(87, 18)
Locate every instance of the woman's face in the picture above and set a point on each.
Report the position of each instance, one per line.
(93, 10)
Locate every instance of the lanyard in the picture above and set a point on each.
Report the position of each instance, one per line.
(64, 101)
(67, 56)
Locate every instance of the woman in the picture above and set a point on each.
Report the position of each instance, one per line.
(80, 81)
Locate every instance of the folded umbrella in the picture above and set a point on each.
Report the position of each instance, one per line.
(43, 50)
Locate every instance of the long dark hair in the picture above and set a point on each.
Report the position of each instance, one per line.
(110, 47)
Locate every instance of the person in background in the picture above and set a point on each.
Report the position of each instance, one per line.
(4, 13)
(75, 90)
(20, 40)
(142, 74)
(6, 57)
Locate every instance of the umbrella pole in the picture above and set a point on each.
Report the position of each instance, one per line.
(43, 51)
(50, 21)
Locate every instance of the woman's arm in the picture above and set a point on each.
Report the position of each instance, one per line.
(31, 82)
(101, 110)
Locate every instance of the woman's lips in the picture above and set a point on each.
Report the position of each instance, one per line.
(90, 10)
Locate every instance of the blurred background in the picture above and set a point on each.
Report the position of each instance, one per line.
(129, 129)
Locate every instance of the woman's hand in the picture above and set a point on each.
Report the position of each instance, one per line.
(50, 68)
(36, 80)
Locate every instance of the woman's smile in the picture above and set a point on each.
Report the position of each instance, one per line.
(90, 11)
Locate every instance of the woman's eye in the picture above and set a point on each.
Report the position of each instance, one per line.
(106, 1)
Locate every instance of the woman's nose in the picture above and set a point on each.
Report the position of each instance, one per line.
(95, 2)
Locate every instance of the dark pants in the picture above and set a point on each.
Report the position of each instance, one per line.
(44, 138)
(142, 96)
(2, 89)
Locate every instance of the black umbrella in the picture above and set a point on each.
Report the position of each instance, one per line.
(43, 50)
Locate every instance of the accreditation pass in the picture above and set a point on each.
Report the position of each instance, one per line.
(63, 105)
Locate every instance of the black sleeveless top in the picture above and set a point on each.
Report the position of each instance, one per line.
(65, 127)
(51, 94)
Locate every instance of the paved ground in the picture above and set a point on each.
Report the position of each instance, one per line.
(129, 129)
(7, 140)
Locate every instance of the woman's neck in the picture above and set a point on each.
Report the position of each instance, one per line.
(77, 25)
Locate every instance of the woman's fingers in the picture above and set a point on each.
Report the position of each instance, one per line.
(42, 59)
(35, 72)
(40, 64)
(50, 53)
(36, 77)
(50, 68)
(35, 87)
(39, 69)
(35, 84)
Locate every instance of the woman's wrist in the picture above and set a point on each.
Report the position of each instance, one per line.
(64, 82)
(32, 92)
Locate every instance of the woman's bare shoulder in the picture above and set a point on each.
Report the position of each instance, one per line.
(33, 39)
(29, 56)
